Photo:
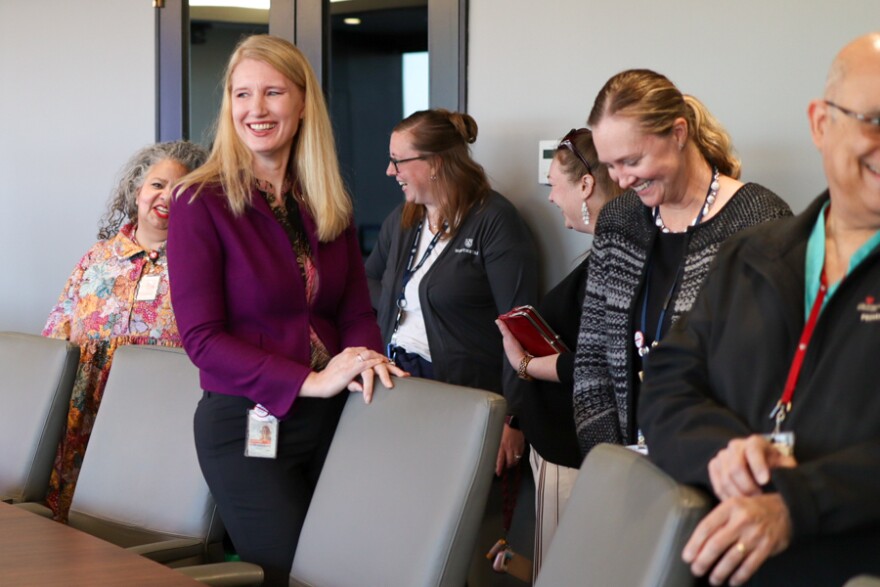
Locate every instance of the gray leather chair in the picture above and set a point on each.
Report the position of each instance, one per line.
(140, 485)
(403, 490)
(863, 581)
(625, 524)
(36, 378)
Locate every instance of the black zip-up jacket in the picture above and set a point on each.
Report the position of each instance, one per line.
(723, 368)
(489, 267)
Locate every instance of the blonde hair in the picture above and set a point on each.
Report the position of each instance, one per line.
(655, 103)
(461, 180)
(313, 158)
(574, 169)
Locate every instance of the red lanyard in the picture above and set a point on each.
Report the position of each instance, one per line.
(783, 406)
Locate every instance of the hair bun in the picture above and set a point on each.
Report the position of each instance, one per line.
(465, 126)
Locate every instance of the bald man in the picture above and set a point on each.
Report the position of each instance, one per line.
(785, 338)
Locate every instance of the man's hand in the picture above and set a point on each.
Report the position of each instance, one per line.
(744, 467)
(737, 537)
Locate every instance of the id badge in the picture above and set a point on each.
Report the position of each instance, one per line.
(783, 442)
(642, 449)
(148, 288)
(262, 434)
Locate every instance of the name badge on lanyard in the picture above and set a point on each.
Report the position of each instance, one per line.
(262, 434)
(784, 441)
(148, 288)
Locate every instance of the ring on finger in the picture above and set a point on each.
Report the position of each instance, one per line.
(360, 358)
(740, 548)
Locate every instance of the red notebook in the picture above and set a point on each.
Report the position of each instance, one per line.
(532, 332)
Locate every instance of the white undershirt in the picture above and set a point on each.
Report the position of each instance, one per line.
(412, 334)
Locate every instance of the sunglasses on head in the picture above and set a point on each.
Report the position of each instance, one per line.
(567, 142)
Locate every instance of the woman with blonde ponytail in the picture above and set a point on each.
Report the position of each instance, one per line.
(271, 300)
(654, 244)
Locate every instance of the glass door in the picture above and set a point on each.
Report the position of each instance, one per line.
(378, 74)
(378, 60)
(214, 32)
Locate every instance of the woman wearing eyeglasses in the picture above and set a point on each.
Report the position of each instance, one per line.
(654, 244)
(451, 258)
(580, 187)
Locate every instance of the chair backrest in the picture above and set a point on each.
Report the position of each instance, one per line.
(625, 523)
(403, 490)
(36, 378)
(140, 480)
(863, 581)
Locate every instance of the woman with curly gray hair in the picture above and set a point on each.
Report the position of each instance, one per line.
(117, 294)
(123, 205)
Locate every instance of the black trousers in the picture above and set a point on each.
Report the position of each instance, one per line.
(263, 502)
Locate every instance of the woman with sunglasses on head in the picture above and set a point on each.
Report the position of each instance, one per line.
(654, 244)
(451, 258)
(580, 187)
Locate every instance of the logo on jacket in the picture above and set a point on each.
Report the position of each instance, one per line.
(869, 310)
(468, 247)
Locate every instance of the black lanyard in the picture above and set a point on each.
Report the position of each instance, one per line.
(644, 348)
(641, 342)
(410, 271)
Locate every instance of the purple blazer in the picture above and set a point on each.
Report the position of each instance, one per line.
(240, 301)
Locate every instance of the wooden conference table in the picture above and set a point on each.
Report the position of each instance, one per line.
(38, 551)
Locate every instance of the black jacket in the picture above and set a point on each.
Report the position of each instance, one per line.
(489, 267)
(544, 408)
(723, 367)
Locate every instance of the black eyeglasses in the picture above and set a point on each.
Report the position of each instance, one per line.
(873, 120)
(567, 142)
(397, 162)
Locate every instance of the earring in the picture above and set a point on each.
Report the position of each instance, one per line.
(433, 178)
(585, 213)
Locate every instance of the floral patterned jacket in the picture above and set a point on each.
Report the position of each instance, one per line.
(117, 295)
(100, 300)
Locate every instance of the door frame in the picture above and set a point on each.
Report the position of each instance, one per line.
(307, 24)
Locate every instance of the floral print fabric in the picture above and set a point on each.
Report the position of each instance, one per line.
(287, 214)
(99, 310)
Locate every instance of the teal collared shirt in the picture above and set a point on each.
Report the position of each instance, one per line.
(816, 261)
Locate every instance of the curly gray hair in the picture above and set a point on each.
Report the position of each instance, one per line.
(123, 202)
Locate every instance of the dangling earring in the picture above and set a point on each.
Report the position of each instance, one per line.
(585, 213)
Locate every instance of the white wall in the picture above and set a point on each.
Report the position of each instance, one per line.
(535, 68)
(77, 100)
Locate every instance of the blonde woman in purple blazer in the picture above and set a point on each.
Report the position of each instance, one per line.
(271, 300)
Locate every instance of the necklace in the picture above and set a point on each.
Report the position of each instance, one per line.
(152, 254)
(711, 195)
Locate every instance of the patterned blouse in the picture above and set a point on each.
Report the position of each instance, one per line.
(117, 294)
(287, 213)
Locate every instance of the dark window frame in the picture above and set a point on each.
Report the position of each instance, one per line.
(306, 23)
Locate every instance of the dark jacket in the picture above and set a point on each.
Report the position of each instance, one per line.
(722, 368)
(489, 267)
(544, 408)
